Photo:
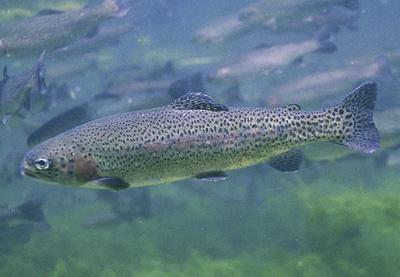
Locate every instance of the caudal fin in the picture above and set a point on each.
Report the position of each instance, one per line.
(359, 131)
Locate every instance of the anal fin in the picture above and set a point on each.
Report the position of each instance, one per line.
(287, 161)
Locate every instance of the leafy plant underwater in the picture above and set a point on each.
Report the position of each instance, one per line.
(306, 230)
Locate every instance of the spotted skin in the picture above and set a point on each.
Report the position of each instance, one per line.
(168, 144)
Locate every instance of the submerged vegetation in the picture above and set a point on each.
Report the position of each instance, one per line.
(303, 230)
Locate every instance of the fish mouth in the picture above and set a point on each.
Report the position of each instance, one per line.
(25, 169)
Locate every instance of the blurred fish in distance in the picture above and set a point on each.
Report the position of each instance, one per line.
(17, 92)
(128, 207)
(52, 29)
(282, 17)
(308, 17)
(29, 210)
(324, 84)
(266, 59)
(105, 36)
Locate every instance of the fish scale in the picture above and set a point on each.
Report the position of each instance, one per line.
(197, 137)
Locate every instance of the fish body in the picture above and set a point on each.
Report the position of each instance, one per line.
(53, 29)
(17, 92)
(195, 137)
(281, 17)
(265, 60)
(303, 16)
(324, 85)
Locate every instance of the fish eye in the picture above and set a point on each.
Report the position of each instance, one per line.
(42, 163)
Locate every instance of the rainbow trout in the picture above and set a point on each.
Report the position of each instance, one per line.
(195, 137)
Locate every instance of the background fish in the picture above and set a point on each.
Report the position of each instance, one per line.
(265, 59)
(30, 210)
(322, 85)
(52, 29)
(17, 92)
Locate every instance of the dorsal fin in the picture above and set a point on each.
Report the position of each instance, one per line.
(292, 108)
(5, 74)
(48, 12)
(197, 101)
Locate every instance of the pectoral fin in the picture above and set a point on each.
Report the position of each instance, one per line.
(113, 183)
(212, 176)
(287, 161)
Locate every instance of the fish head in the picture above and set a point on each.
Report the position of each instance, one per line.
(58, 161)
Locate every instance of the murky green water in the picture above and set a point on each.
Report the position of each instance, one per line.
(339, 215)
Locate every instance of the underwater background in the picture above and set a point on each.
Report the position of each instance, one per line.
(339, 215)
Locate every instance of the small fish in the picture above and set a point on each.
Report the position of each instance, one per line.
(196, 137)
(17, 92)
(30, 210)
(52, 29)
(267, 59)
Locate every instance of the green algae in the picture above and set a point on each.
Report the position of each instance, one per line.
(303, 231)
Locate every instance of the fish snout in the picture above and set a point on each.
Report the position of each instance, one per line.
(25, 168)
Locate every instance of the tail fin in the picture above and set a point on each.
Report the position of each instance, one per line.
(359, 131)
(32, 209)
